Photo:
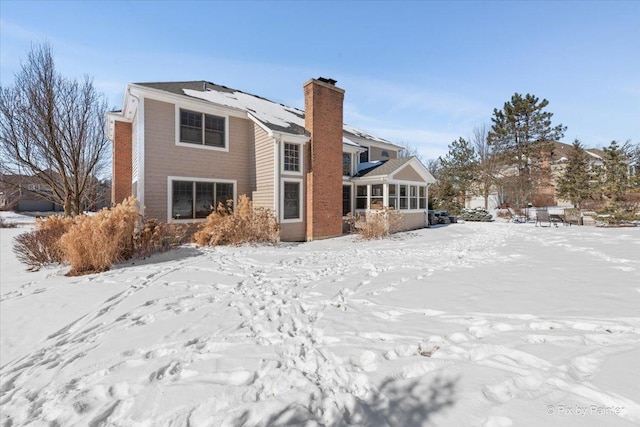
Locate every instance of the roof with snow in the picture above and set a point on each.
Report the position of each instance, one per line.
(381, 168)
(274, 116)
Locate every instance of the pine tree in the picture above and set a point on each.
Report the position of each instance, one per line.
(522, 132)
(575, 184)
(615, 179)
(459, 168)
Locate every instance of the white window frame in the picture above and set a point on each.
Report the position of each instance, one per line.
(351, 198)
(350, 164)
(170, 180)
(301, 159)
(300, 200)
(202, 111)
(368, 151)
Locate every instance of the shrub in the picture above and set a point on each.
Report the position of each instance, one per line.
(155, 236)
(244, 224)
(376, 224)
(5, 224)
(95, 242)
(41, 246)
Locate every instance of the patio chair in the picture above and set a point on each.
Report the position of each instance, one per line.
(542, 218)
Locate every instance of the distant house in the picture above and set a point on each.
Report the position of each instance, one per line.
(556, 165)
(25, 193)
(182, 147)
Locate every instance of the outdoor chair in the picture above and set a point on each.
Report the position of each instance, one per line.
(542, 218)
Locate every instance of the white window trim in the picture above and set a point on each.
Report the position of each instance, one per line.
(170, 180)
(301, 160)
(385, 192)
(301, 204)
(368, 151)
(351, 165)
(211, 112)
(351, 197)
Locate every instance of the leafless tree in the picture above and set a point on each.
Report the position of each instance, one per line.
(488, 162)
(410, 150)
(53, 129)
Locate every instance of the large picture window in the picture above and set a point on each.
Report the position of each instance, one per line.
(196, 199)
(202, 129)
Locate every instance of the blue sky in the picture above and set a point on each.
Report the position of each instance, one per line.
(423, 73)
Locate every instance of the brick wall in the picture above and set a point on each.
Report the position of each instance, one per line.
(121, 162)
(324, 120)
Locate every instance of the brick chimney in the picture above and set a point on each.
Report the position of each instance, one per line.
(323, 119)
(122, 163)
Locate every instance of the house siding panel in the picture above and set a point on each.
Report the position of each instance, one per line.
(375, 153)
(293, 232)
(408, 173)
(413, 220)
(263, 196)
(163, 158)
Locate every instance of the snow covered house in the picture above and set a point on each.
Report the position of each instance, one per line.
(183, 147)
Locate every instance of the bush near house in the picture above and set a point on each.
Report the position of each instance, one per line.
(41, 246)
(6, 224)
(376, 224)
(244, 224)
(93, 243)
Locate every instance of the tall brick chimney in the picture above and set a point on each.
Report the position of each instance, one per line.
(121, 166)
(323, 119)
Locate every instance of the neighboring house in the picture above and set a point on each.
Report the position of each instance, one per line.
(182, 147)
(25, 193)
(557, 165)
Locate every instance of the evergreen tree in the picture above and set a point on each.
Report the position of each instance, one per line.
(575, 184)
(459, 167)
(615, 179)
(523, 134)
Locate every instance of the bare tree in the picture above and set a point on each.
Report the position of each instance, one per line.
(53, 129)
(488, 162)
(410, 150)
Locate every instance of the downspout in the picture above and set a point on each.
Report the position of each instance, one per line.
(140, 154)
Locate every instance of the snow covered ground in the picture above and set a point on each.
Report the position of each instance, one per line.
(476, 324)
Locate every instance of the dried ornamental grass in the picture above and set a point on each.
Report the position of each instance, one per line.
(244, 224)
(41, 246)
(96, 242)
(378, 224)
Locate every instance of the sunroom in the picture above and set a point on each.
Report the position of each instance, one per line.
(401, 184)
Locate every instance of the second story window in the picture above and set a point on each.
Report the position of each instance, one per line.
(203, 129)
(291, 159)
(364, 156)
